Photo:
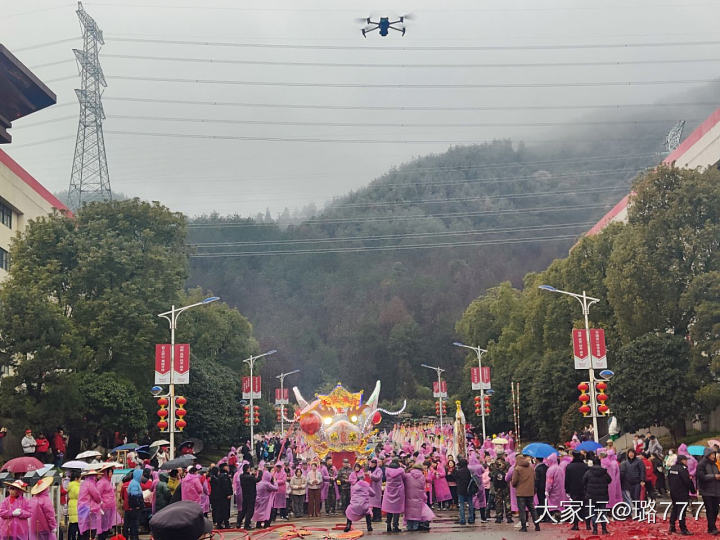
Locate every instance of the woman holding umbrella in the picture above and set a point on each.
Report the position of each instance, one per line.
(14, 513)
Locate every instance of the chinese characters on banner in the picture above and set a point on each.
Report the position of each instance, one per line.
(162, 363)
(256, 387)
(440, 389)
(595, 354)
(282, 399)
(480, 379)
(181, 369)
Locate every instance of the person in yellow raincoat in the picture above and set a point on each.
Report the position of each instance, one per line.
(73, 492)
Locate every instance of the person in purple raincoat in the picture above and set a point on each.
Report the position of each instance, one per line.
(691, 463)
(14, 513)
(360, 494)
(42, 520)
(89, 502)
(609, 462)
(280, 501)
(441, 489)
(508, 477)
(264, 501)
(393, 501)
(554, 484)
(479, 502)
(192, 487)
(329, 494)
(109, 517)
(376, 478)
(418, 514)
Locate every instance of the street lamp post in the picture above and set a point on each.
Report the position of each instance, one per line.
(282, 397)
(172, 316)
(439, 371)
(251, 362)
(585, 301)
(479, 353)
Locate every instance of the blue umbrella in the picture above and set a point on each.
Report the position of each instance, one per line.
(588, 446)
(696, 450)
(539, 450)
(128, 446)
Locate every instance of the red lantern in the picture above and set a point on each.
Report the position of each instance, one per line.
(477, 398)
(256, 408)
(180, 413)
(585, 409)
(162, 425)
(162, 413)
(180, 401)
(602, 409)
(180, 424)
(602, 397)
(601, 386)
(376, 418)
(584, 398)
(487, 410)
(310, 424)
(162, 402)
(583, 387)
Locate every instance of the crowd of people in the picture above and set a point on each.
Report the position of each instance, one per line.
(411, 479)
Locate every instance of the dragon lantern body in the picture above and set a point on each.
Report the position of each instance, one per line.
(339, 421)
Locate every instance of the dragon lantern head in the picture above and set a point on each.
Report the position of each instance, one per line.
(339, 421)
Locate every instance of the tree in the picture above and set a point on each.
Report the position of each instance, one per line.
(652, 385)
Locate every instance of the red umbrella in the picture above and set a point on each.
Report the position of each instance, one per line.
(23, 465)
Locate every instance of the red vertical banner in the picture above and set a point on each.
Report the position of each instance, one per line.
(485, 377)
(282, 398)
(443, 389)
(162, 363)
(256, 388)
(580, 349)
(181, 367)
(246, 387)
(436, 389)
(598, 349)
(475, 378)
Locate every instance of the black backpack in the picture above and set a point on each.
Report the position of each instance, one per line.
(473, 485)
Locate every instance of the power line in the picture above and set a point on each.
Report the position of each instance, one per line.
(391, 66)
(47, 44)
(298, 84)
(401, 107)
(420, 48)
(366, 249)
(204, 245)
(541, 209)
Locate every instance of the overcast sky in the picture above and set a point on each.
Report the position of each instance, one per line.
(199, 175)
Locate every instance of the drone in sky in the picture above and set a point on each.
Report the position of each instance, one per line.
(384, 24)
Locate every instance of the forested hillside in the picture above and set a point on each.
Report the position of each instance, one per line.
(373, 285)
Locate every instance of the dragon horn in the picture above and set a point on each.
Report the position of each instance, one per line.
(298, 396)
(373, 399)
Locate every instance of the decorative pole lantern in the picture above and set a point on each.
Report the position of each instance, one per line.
(584, 398)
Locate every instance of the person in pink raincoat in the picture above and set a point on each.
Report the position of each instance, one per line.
(554, 483)
(192, 488)
(89, 503)
(42, 519)
(280, 500)
(14, 512)
(205, 496)
(109, 517)
(393, 501)
(329, 493)
(264, 501)
(359, 506)
(356, 474)
(376, 478)
(691, 462)
(418, 514)
(611, 465)
(441, 489)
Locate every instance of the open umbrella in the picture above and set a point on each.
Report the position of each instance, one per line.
(589, 446)
(538, 450)
(145, 451)
(182, 461)
(100, 465)
(23, 465)
(499, 440)
(75, 464)
(695, 450)
(713, 442)
(128, 446)
(161, 442)
(87, 454)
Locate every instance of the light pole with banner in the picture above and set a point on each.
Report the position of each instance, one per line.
(282, 398)
(172, 316)
(439, 371)
(479, 353)
(585, 301)
(251, 362)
